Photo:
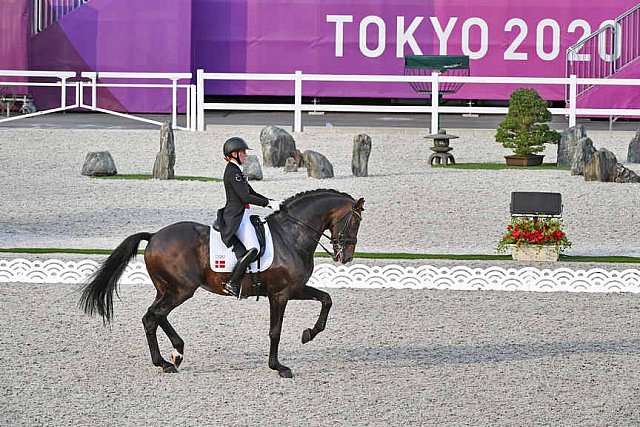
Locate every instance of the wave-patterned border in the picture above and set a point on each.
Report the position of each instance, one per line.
(368, 277)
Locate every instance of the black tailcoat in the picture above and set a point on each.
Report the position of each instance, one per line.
(239, 193)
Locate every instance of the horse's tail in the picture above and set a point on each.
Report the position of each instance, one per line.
(97, 295)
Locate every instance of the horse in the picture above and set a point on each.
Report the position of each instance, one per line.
(177, 260)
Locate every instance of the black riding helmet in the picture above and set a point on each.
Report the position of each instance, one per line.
(234, 144)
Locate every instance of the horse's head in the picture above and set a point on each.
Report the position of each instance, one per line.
(313, 212)
(344, 231)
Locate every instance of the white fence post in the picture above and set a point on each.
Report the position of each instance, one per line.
(573, 90)
(435, 95)
(193, 124)
(63, 92)
(174, 103)
(200, 97)
(78, 86)
(94, 90)
(297, 112)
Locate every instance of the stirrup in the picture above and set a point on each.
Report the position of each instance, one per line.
(233, 290)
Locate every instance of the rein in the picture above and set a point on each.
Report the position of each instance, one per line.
(341, 241)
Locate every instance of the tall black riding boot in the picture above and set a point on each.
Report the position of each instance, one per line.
(233, 285)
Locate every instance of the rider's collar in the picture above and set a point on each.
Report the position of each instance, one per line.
(237, 164)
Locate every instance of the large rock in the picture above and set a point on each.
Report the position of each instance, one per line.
(633, 153)
(277, 145)
(601, 166)
(568, 143)
(317, 165)
(361, 152)
(624, 175)
(251, 168)
(99, 163)
(166, 157)
(582, 153)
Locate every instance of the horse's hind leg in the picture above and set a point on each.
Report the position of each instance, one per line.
(310, 293)
(177, 355)
(157, 316)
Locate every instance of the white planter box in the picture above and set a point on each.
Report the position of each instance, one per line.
(535, 253)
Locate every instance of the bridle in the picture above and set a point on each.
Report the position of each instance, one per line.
(339, 243)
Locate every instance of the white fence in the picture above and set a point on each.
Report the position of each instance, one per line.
(17, 78)
(434, 109)
(112, 79)
(531, 279)
(69, 79)
(196, 105)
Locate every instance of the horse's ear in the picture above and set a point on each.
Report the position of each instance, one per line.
(359, 204)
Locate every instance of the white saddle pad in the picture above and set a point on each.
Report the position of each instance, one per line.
(223, 259)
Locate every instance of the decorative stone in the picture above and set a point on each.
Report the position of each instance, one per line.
(633, 153)
(623, 175)
(166, 157)
(277, 145)
(441, 148)
(568, 143)
(99, 163)
(251, 168)
(361, 152)
(299, 159)
(584, 149)
(601, 166)
(290, 165)
(317, 165)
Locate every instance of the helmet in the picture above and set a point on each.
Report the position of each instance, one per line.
(234, 144)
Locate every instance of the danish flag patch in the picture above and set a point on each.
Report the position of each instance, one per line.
(219, 263)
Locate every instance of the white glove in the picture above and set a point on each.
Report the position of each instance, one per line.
(274, 204)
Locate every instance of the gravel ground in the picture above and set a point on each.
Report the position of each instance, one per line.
(387, 357)
(410, 207)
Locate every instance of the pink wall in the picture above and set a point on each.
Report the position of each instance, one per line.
(14, 28)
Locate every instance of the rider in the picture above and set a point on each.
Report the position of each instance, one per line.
(235, 227)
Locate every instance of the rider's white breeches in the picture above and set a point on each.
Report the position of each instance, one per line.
(247, 234)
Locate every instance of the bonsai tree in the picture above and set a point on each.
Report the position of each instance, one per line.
(524, 129)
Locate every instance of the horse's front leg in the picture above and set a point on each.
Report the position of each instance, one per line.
(310, 293)
(277, 305)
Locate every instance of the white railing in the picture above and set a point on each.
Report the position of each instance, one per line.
(627, 38)
(69, 80)
(434, 109)
(100, 79)
(606, 51)
(196, 105)
(590, 57)
(46, 12)
(12, 78)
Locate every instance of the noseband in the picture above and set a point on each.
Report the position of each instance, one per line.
(341, 241)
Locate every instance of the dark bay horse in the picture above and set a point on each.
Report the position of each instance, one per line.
(177, 260)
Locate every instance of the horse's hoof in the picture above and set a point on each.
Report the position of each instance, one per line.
(285, 373)
(176, 358)
(306, 336)
(170, 369)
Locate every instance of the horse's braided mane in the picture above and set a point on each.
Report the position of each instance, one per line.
(313, 193)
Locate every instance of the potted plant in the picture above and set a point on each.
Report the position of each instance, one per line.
(524, 129)
(534, 239)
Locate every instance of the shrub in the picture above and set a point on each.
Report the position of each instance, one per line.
(524, 129)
